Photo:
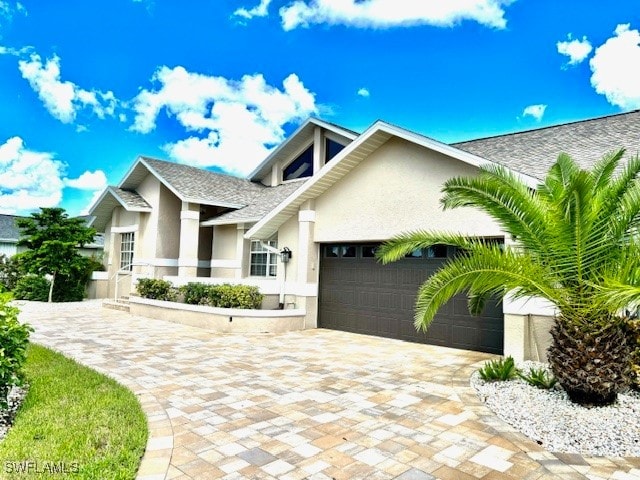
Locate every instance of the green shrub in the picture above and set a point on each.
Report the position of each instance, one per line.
(225, 295)
(156, 289)
(501, 369)
(539, 377)
(14, 337)
(196, 293)
(32, 287)
(238, 296)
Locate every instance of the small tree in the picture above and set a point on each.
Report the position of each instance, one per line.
(52, 239)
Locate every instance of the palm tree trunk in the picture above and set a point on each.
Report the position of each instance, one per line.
(592, 363)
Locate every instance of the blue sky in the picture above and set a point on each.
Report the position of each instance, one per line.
(87, 86)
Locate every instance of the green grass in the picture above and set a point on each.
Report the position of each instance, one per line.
(75, 419)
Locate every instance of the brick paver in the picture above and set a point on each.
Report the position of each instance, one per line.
(316, 404)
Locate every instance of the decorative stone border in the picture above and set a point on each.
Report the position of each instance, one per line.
(562, 465)
(220, 320)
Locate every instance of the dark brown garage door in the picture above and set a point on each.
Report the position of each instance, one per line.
(358, 294)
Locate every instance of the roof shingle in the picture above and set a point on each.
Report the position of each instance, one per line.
(203, 185)
(534, 151)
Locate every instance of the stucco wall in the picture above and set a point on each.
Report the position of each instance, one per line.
(224, 248)
(147, 236)
(220, 320)
(168, 243)
(397, 188)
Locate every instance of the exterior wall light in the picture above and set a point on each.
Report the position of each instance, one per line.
(285, 255)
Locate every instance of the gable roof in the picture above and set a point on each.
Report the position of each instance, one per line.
(296, 141)
(534, 151)
(115, 197)
(354, 153)
(261, 204)
(192, 184)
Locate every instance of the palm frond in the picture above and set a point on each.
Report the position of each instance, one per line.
(484, 271)
(405, 243)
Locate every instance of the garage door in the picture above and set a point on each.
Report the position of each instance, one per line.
(358, 294)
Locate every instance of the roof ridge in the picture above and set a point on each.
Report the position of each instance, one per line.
(548, 127)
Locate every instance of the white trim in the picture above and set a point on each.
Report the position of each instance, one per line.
(307, 216)
(157, 262)
(223, 263)
(528, 306)
(125, 229)
(239, 221)
(314, 121)
(187, 262)
(189, 215)
(330, 173)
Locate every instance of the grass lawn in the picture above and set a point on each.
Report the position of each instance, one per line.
(75, 423)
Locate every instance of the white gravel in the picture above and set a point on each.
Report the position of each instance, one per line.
(560, 426)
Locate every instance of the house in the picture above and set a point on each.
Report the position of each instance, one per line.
(10, 234)
(328, 196)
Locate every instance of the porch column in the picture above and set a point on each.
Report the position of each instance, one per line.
(189, 233)
(241, 245)
(307, 261)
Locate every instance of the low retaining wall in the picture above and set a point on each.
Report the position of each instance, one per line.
(220, 320)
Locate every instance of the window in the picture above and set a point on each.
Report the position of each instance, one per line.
(435, 251)
(343, 251)
(263, 262)
(127, 243)
(301, 167)
(331, 149)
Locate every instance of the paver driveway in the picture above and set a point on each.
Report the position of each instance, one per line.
(316, 404)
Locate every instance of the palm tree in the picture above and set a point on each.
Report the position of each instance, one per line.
(574, 247)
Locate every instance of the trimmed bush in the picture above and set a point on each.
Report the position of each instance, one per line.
(238, 296)
(224, 296)
(156, 289)
(32, 287)
(195, 293)
(14, 338)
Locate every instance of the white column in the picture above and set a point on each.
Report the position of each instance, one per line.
(189, 233)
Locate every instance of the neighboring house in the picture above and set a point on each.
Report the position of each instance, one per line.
(330, 196)
(10, 234)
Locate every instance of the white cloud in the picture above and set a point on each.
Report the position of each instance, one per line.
(614, 67)
(535, 111)
(235, 123)
(364, 92)
(63, 99)
(29, 179)
(8, 10)
(393, 13)
(576, 50)
(16, 52)
(260, 10)
(88, 181)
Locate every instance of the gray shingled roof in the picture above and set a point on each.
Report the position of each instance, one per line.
(131, 199)
(9, 231)
(261, 204)
(8, 228)
(533, 152)
(203, 185)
